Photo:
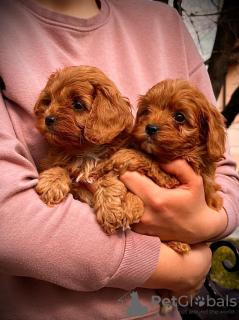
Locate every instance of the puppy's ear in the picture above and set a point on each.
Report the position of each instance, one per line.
(213, 125)
(110, 114)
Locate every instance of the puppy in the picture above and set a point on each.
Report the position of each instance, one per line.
(85, 119)
(174, 120)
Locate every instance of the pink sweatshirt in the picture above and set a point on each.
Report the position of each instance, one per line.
(56, 263)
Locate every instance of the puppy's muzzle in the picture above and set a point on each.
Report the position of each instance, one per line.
(152, 129)
(50, 120)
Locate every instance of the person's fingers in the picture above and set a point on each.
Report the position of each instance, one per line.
(146, 188)
(182, 170)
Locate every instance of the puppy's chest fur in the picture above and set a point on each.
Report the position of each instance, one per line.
(79, 165)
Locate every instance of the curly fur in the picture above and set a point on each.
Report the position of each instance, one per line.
(199, 138)
(89, 121)
(100, 143)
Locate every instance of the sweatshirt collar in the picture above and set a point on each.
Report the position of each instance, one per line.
(60, 19)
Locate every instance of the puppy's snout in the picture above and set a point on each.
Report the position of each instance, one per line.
(152, 129)
(49, 120)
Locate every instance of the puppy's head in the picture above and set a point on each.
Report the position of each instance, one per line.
(174, 118)
(80, 106)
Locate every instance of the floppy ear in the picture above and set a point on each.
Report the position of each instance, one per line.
(213, 122)
(110, 114)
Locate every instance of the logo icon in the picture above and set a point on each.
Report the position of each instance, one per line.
(200, 301)
(131, 306)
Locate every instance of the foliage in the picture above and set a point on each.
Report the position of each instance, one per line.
(219, 274)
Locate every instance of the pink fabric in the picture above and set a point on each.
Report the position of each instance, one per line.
(56, 263)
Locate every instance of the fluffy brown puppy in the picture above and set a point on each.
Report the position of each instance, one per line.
(174, 120)
(85, 119)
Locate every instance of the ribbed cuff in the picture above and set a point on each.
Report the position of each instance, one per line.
(139, 261)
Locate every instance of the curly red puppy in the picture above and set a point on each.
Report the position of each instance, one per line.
(174, 120)
(85, 119)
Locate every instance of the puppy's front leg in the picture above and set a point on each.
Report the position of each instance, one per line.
(115, 206)
(53, 186)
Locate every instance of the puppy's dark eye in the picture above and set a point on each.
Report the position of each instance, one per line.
(78, 105)
(145, 112)
(46, 102)
(179, 117)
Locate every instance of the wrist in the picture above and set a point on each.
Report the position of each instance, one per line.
(215, 224)
(219, 224)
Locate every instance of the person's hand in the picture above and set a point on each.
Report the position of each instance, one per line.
(177, 214)
(182, 274)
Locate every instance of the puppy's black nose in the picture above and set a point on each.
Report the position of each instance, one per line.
(152, 129)
(49, 120)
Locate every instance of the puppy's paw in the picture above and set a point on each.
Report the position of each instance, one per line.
(171, 182)
(165, 304)
(166, 180)
(162, 178)
(53, 186)
(166, 309)
(179, 247)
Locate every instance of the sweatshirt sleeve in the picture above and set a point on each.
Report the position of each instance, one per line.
(226, 174)
(63, 245)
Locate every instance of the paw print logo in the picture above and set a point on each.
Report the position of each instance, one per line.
(200, 301)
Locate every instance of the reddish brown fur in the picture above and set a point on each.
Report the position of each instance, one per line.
(79, 139)
(93, 144)
(85, 147)
(200, 139)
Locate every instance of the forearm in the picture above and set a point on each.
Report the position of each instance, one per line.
(178, 272)
(63, 244)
